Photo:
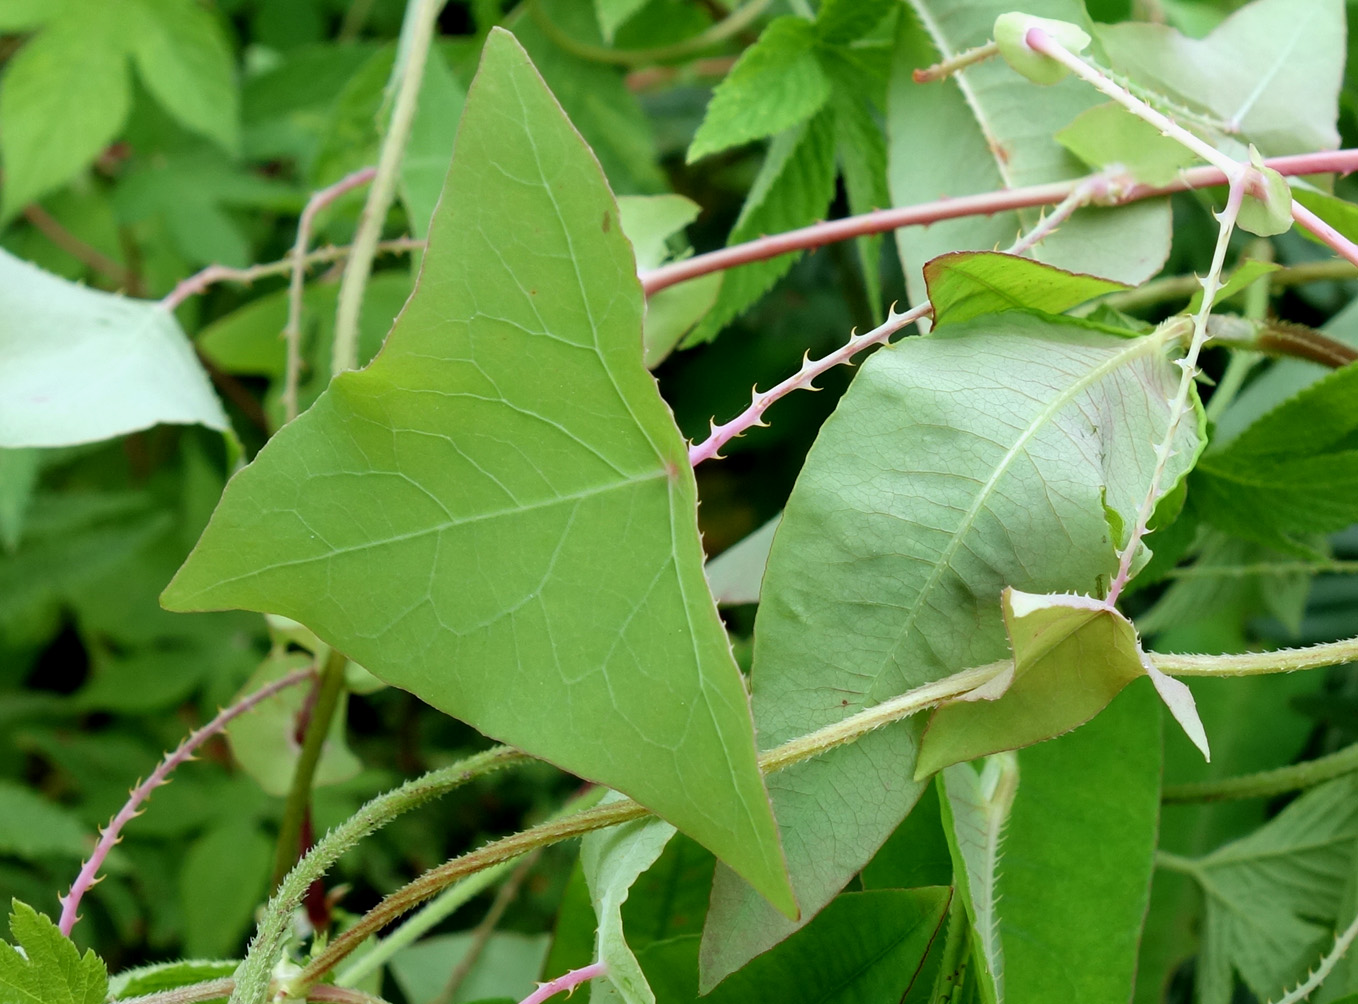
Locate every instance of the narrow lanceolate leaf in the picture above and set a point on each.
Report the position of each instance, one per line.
(967, 284)
(81, 365)
(986, 455)
(776, 84)
(998, 131)
(44, 966)
(498, 514)
(612, 860)
(1072, 655)
(975, 815)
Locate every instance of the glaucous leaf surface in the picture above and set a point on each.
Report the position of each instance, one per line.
(1108, 135)
(967, 284)
(984, 129)
(498, 514)
(988, 454)
(82, 365)
(1269, 74)
(1076, 871)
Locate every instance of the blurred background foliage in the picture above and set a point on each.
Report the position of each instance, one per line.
(161, 174)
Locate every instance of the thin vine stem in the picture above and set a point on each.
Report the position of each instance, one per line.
(1122, 192)
(329, 688)
(1284, 660)
(91, 257)
(1337, 567)
(358, 266)
(1267, 783)
(734, 23)
(254, 974)
(110, 835)
(292, 329)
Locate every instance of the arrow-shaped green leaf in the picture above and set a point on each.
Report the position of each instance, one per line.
(498, 514)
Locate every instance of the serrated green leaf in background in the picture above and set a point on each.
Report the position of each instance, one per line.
(49, 969)
(18, 477)
(985, 129)
(975, 812)
(1076, 870)
(863, 947)
(979, 457)
(1269, 894)
(184, 60)
(498, 514)
(966, 284)
(776, 84)
(840, 21)
(81, 365)
(39, 89)
(33, 828)
(1109, 136)
(1298, 50)
(223, 878)
(1072, 655)
(612, 860)
(793, 189)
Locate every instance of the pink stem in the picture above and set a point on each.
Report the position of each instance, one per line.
(111, 834)
(985, 204)
(1325, 233)
(759, 403)
(567, 982)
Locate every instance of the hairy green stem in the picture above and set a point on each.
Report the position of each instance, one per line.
(1266, 784)
(1285, 660)
(329, 687)
(734, 23)
(422, 15)
(252, 978)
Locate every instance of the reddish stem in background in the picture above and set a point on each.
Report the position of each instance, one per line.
(985, 204)
(111, 834)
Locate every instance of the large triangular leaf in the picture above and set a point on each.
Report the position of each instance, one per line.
(498, 514)
(990, 453)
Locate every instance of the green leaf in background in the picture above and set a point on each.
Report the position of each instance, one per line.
(478, 531)
(184, 60)
(1108, 136)
(180, 56)
(612, 14)
(1271, 895)
(425, 162)
(863, 947)
(975, 813)
(1072, 656)
(264, 740)
(31, 827)
(840, 21)
(39, 89)
(966, 284)
(222, 880)
(776, 84)
(167, 976)
(82, 365)
(1299, 51)
(503, 970)
(979, 131)
(734, 576)
(793, 189)
(979, 457)
(1292, 473)
(18, 477)
(612, 860)
(1076, 871)
(44, 966)
(1240, 279)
